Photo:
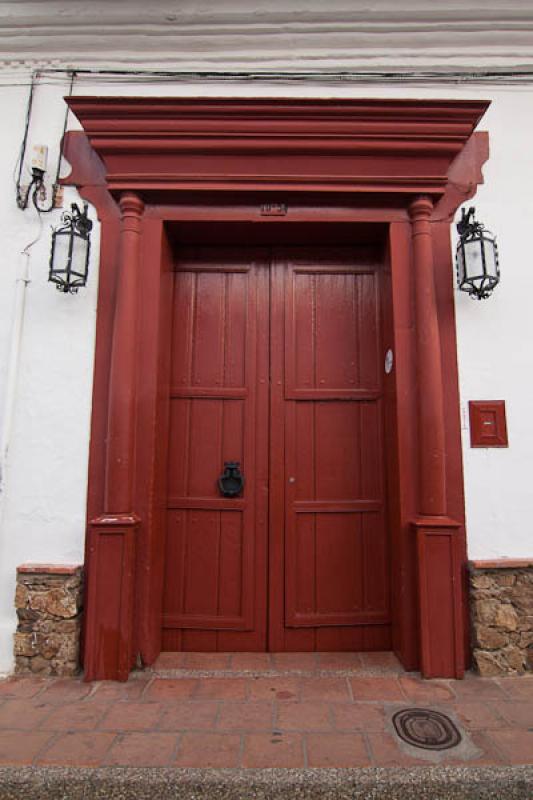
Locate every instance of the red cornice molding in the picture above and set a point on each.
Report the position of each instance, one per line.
(387, 146)
(140, 110)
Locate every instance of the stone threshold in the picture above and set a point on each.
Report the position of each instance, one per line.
(272, 673)
(272, 665)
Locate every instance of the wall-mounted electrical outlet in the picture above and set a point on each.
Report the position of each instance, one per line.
(39, 157)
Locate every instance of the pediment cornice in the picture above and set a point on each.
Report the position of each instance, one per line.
(386, 146)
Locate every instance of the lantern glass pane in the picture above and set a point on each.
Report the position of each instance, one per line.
(460, 264)
(473, 260)
(490, 258)
(60, 253)
(79, 257)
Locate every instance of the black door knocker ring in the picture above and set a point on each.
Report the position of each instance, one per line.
(231, 481)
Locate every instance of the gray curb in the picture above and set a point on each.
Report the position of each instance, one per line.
(116, 783)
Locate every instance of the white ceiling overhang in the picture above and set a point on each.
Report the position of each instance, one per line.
(294, 36)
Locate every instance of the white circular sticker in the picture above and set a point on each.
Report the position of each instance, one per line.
(389, 361)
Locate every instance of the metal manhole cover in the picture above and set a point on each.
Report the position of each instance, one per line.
(422, 727)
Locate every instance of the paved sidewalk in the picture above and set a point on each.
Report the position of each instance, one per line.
(260, 711)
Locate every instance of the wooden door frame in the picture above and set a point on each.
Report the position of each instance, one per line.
(145, 162)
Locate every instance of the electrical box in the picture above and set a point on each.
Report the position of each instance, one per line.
(39, 157)
(488, 426)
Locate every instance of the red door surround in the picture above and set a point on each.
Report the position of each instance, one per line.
(156, 167)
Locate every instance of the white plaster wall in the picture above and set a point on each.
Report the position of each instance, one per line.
(42, 506)
(495, 340)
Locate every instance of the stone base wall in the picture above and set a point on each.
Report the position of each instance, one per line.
(49, 603)
(501, 602)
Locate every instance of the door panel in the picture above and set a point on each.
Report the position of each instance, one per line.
(276, 363)
(331, 331)
(215, 567)
(327, 452)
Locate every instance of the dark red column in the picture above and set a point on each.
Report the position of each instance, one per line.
(432, 454)
(120, 428)
(112, 535)
(438, 546)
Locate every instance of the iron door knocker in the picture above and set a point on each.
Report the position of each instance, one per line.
(231, 481)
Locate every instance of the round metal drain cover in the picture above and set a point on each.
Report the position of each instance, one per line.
(422, 727)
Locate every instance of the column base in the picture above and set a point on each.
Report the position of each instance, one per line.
(441, 621)
(109, 649)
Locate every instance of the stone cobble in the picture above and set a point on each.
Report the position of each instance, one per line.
(502, 620)
(49, 608)
(260, 721)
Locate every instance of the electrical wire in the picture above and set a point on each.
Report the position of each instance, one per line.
(26, 250)
(53, 75)
(60, 157)
(22, 152)
(37, 181)
(300, 75)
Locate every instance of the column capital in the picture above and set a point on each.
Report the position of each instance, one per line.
(421, 208)
(131, 207)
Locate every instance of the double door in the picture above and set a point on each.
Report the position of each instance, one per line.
(277, 367)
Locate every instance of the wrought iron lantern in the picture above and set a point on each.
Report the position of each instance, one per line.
(478, 270)
(71, 245)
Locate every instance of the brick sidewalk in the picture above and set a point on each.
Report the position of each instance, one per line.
(248, 710)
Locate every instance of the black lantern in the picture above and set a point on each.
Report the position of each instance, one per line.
(478, 270)
(71, 244)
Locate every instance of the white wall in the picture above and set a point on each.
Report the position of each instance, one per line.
(495, 340)
(42, 504)
(42, 507)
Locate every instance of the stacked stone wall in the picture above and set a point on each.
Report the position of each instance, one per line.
(501, 602)
(48, 601)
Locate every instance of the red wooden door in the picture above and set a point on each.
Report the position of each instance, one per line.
(328, 574)
(215, 567)
(302, 327)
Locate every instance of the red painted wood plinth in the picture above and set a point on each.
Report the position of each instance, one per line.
(110, 598)
(440, 598)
